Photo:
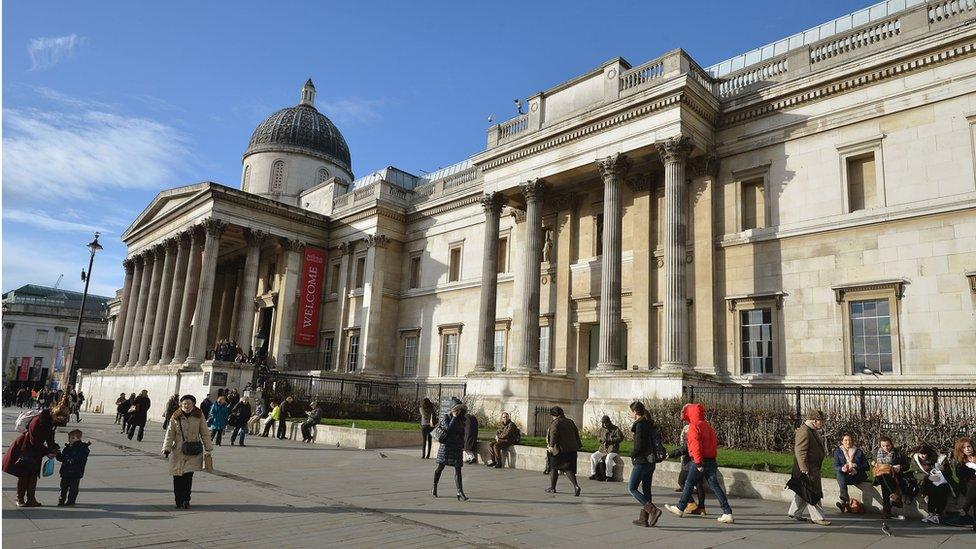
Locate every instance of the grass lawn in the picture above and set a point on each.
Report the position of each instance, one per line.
(373, 424)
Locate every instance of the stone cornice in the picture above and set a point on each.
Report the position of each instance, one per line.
(466, 201)
(847, 83)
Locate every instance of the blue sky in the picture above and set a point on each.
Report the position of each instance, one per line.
(107, 103)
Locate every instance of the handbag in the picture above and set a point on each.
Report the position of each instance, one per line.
(48, 467)
(881, 469)
(208, 462)
(440, 432)
(189, 447)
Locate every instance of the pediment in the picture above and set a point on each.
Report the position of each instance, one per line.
(165, 203)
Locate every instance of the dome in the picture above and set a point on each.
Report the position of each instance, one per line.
(301, 128)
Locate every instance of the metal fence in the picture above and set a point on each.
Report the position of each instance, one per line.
(363, 391)
(541, 420)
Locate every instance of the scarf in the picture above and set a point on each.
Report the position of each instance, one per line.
(885, 458)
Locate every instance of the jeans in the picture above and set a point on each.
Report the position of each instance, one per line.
(710, 472)
(281, 428)
(69, 490)
(132, 430)
(798, 506)
(307, 431)
(845, 480)
(937, 496)
(609, 459)
(182, 486)
(889, 486)
(641, 476)
(233, 435)
(216, 435)
(699, 484)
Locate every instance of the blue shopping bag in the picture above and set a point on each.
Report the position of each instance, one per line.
(48, 467)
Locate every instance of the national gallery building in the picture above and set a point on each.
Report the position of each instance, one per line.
(801, 214)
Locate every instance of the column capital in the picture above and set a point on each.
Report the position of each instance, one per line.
(614, 166)
(214, 227)
(377, 240)
(705, 166)
(674, 149)
(517, 214)
(172, 243)
(492, 202)
(129, 265)
(533, 189)
(292, 244)
(254, 237)
(566, 201)
(640, 183)
(345, 247)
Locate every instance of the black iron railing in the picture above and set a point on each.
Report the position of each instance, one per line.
(336, 388)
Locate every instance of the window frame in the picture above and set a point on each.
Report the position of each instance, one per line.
(893, 290)
(352, 352)
(407, 334)
(415, 256)
(847, 151)
(360, 281)
(328, 351)
(446, 331)
(747, 175)
(459, 246)
(504, 260)
(335, 277)
(504, 326)
(736, 305)
(546, 321)
(284, 177)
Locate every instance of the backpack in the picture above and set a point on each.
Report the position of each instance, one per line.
(658, 452)
(601, 471)
(24, 419)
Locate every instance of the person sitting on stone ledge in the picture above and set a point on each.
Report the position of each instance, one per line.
(507, 435)
(931, 470)
(610, 436)
(851, 467)
(889, 467)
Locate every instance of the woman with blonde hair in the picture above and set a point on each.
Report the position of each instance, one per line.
(964, 456)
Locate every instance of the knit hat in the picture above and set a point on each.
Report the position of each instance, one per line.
(191, 398)
(815, 414)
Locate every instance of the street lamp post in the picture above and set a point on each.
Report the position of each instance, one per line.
(94, 246)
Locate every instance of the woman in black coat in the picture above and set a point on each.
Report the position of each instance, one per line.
(239, 414)
(450, 451)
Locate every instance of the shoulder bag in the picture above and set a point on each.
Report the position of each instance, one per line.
(189, 447)
(440, 432)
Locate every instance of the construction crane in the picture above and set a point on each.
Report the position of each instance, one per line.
(58, 283)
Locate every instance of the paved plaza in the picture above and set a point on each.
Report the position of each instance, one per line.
(292, 495)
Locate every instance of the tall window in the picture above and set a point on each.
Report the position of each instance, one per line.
(757, 341)
(449, 354)
(323, 175)
(544, 365)
(753, 204)
(410, 356)
(277, 176)
(454, 271)
(334, 284)
(353, 361)
(499, 357)
(415, 271)
(246, 182)
(503, 255)
(327, 345)
(598, 233)
(871, 335)
(861, 183)
(360, 271)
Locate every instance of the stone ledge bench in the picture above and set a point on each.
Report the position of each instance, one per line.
(362, 439)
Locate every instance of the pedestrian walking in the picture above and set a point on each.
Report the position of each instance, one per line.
(126, 409)
(851, 469)
(139, 415)
(563, 441)
(171, 406)
(642, 465)
(451, 448)
(219, 413)
(609, 436)
(240, 414)
(809, 451)
(73, 458)
(185, 444)
(314, 416)
(703, 451)
(23, 458)
(428, 418)
(693, 508)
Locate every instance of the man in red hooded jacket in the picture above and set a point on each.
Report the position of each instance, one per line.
(703, 449)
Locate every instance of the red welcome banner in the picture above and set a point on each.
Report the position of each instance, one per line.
(310, 292)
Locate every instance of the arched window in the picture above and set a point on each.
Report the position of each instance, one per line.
(323, 175)
(277, 176)
(246, 180)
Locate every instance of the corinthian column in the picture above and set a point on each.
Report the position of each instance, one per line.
(613, 169)
(184, 329)
(123, 310)
(162, 302)
(492, 204)
(175, 299)
(529, 352)
(130, 310)
(149, 322)
(138, 324)
(292, 251)
(674, 353)
(208, 271)
(249, 288)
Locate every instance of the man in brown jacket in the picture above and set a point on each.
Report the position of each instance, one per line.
(506, 435)
(809, 451)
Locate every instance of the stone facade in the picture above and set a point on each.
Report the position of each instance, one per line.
(801, 214)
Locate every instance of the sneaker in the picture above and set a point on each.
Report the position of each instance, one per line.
(674, 510)
(822, 522)
(725, 519)
(927, 518)
(935, 519)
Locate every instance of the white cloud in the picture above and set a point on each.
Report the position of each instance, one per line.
(46, 52)
(353, 110)
(70, 155)
(28, 261)
(42, 220)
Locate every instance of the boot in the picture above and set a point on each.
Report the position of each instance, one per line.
(653, 513)
(433, 490)
(642, 518)
(460, 486)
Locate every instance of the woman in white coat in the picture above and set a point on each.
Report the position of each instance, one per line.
(187, 429)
